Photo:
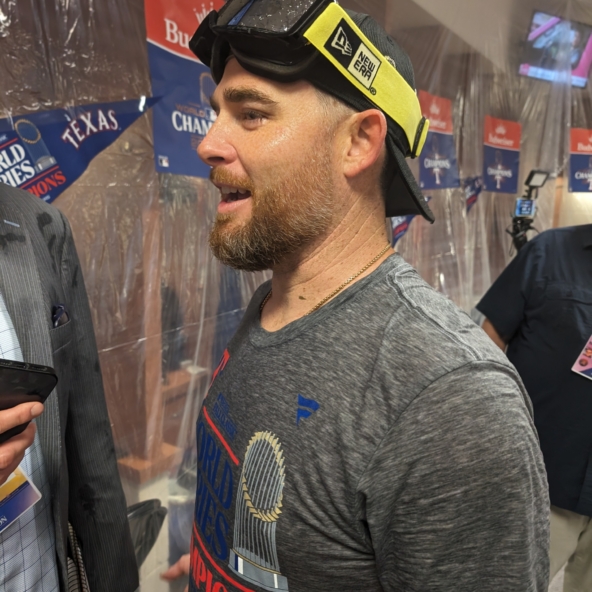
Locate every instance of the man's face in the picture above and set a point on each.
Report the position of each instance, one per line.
(270, 150)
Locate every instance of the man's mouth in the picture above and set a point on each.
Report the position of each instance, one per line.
(230, 193)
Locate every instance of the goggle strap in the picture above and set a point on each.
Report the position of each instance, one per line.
(420, 137)
(335, 35)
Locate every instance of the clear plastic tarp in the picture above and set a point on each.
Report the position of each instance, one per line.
(163, 308)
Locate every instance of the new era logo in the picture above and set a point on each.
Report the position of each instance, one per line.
(341, 42)
(306, 407)
(347, 47)
(364, 66)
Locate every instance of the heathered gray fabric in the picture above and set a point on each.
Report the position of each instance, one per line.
(420, 471)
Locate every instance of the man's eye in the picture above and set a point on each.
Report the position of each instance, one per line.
(252, 117)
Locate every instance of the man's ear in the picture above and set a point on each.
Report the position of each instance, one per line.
(366, 135)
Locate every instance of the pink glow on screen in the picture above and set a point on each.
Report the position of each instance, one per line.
(585, 61)
(544, 28)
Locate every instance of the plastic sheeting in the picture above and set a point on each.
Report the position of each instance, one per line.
(163, 308)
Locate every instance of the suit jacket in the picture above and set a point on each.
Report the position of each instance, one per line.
(39, 268)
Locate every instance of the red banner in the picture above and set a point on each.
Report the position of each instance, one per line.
(581, 141)
(438, 110)
(170, 24)
(501, 133)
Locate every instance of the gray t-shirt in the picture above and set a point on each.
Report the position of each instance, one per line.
(382, 443)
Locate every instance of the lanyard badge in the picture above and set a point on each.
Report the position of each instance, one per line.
(583, 365)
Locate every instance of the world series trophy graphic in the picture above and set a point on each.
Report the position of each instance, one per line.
(499, 169)
(436, 171)
(34, 145)
(254, 553)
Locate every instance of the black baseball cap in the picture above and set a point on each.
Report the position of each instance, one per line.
(402, 193)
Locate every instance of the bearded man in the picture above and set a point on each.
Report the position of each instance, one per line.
(360, 433)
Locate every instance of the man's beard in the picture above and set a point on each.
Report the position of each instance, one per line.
(285, 216)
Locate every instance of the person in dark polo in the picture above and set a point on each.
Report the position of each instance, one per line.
(540, 308)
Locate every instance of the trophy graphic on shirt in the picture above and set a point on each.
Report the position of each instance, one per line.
(254, 554)
(34, 145)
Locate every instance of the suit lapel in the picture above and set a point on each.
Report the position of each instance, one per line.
(30, 311)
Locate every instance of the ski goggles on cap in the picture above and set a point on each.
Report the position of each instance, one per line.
(281, 39)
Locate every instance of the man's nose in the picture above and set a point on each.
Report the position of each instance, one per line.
(215, 149)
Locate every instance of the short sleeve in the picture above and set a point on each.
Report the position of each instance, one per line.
(456, 494)
(505, 302)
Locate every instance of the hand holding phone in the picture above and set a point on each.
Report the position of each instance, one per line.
(21, 382)
(13, 450)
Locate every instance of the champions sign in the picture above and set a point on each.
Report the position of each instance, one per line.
(183, 116)
(44, 153)
(501, 155)
(438, 167)
(580, 161)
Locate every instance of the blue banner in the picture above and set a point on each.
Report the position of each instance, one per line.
(400, 225)
(438, 167)
(501, 155)
(580, 161)
(183, 116)
(473, 186)
(580, 173)
(44, 153)
(501, 170)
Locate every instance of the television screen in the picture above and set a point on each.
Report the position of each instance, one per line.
(555, 45)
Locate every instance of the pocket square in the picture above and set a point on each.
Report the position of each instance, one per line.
(60, 315)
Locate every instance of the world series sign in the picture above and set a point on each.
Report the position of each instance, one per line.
(183, 116)
(501, 155)
(44, 153)
(438, 166)
(580, 161)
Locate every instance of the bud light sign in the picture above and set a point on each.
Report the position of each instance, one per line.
(501, 155)
(580, 161)
(44, 153)
(183, 116)
(438, 167)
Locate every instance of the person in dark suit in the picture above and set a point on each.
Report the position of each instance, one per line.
(77, 537)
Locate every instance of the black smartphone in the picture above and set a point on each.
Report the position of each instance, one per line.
(21, 382)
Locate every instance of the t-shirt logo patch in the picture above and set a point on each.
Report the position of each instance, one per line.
(341, 42)
(346, 46)
(306, 407)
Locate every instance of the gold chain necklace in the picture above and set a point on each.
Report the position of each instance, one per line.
(348, 281)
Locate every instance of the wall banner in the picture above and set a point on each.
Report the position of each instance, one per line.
(580, 161)
(401, 224)
(438, 166)
(472, 187)
(44, 153)
(501, 155)
(183, 116)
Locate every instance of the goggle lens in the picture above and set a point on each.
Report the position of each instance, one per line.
(268, 16)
